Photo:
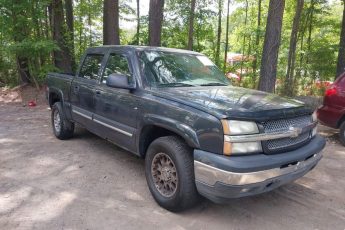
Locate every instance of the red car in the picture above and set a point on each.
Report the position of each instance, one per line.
(332, 113)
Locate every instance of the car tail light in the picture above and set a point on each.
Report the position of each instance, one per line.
(331, 91)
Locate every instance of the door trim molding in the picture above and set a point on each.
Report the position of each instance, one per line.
(81, 114)
(92, 118)
(113, 128)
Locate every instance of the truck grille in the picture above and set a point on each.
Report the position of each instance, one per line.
(287, 143)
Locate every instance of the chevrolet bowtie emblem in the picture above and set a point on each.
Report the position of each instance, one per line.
(296, 131)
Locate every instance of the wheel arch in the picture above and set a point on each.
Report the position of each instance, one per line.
(156, 126)
(55, 95)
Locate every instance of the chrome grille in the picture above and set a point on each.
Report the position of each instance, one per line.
(281, 125)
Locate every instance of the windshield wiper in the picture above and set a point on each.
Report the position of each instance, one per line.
(214, 84)
(175, 84)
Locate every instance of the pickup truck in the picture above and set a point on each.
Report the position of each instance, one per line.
(198, 134)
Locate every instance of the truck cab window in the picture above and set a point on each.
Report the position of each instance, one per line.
(117, 64)
(91, 66)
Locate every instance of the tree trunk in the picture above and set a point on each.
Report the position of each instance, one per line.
(138, 22)
(23, 70)
(62, 58)
(289, 80)
(310, 28)
(111, 27)
(257, 42)
(70, 29)
(341, 54)
(191, 25)
(268, 70)
(219, 33)
(80, 32)
(155, 22)
(226, 38)
(244, 39)
(89, 22)
(19, 34)
(50, 17)
(47, 24)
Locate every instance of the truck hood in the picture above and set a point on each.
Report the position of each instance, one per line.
(235, 102)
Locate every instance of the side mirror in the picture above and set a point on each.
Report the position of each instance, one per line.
(116, 80)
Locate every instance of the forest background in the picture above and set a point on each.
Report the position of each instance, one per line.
(290, 47)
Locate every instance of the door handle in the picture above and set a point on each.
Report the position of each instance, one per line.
(98, 93)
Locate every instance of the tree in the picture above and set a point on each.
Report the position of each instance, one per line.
(111, 28)
(227, 37)
(219, 31)
(138, 22)
(268, 70)
(191, 25)
(70, 29)
(244, 37)
(257, 40)
(20, 31)
(155, 22)
(62, 58)
(341, 54)
(289, 79)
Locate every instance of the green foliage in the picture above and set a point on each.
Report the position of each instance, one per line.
(23, 34)
(317, 44)
(33, 48)
(25, 31)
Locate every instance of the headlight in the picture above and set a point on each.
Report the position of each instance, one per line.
(232, 127)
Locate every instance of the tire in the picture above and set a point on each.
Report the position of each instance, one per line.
(342, 133)
(63, 129)
(178, 170)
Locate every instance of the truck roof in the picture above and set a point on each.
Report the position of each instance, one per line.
(139, 48)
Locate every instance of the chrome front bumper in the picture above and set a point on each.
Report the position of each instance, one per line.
(220, 178)
(210, 175)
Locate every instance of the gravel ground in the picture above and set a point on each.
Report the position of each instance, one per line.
(88, 183)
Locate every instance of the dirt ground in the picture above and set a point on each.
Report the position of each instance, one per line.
(88, 183)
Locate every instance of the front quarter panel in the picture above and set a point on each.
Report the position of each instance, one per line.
(199, 129)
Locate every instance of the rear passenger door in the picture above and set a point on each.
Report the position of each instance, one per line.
(116, 109)
(83, 89)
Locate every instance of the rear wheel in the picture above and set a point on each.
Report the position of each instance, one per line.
(62, 128)
(169, 169)
(342, 133)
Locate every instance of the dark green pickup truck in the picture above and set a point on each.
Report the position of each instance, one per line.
(197, 133)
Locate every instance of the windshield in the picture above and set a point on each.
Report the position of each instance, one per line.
(167, 69)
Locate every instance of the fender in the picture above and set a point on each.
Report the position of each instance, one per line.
(65, 105)
(185, 131)
(57, 91)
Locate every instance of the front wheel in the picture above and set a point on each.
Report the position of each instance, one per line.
(169, 169)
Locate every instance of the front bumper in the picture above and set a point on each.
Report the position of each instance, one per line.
(220, 177)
